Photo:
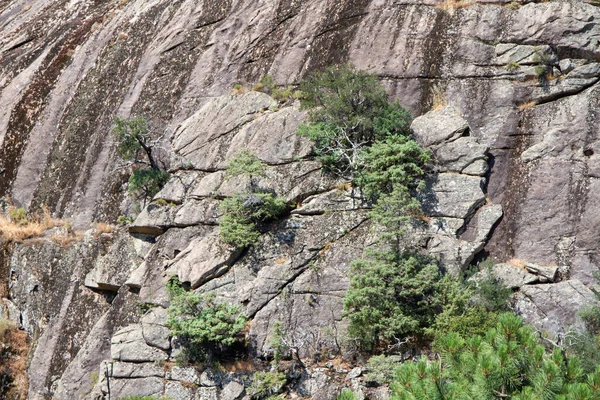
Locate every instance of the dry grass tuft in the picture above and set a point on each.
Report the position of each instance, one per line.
(527, 105)
(17, 230)
(67, 238)
(438, 98)
(453, 5)
(518, 263)
(101, 227)
(13, 359)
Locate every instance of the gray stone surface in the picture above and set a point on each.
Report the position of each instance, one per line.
(202, 140)
(112, 270)
(153, 329)
(436, 127)
(454, 195)
(176, 64)
(552, 308)
(232, 391)
(129, 344)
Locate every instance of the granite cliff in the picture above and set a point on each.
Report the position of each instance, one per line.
(505, 95)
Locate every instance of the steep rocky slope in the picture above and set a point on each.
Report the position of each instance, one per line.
(516, 173)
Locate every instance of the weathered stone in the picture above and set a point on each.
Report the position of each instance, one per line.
(112, 270)
(507, 53)
(355, 373)
(553, 307)
(184, 374)
(209, 378)
(436, 127)
(512, 277)
(205, 258)
(232, 391)
(464, 155)
(135, 370)
(273, 138)
(203, 139)
(207, 393)
(128, 344)
(155, 333)
(342, 199)
(454, 195)
(178, 185)
(120, 388)
(177, 391)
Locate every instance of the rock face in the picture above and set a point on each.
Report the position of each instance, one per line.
(515, 153)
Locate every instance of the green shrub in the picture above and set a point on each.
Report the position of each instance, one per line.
(382, 369)
(125, 219)
(145, 183)
(347, 394)
(245, 164)
(206, 326)
(391, 295)
(511, 66)
(283, 94)
(491, 292)
(392, 162)
(266, 384)
(585, 346)
(134, 138)
(349, 111)
(505, 363)
(266, 84)
(17, 215)
(242, 213)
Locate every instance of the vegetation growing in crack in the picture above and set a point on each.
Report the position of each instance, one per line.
(245, 211)
(348, 113)
(135, 144)
(204, 326)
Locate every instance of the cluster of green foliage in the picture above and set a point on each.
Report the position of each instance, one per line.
(391, 295)
(133, 139)
(17, 215)
(507, 362)
(281, 94)
(243, 212)
(349, 112)
(265, 384)
(206, 326)
(347, 394)
(394, 292)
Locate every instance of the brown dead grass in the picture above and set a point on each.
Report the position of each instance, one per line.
(527, 105)
(517, 263)
(67, 238)
(238, 366)
(438, 98)
(13, 361)
(101, 227)
(12, 231)
(453, 5)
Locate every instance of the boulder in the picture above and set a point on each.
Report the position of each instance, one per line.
(553, 308)
(155, 333)
(128, 344)
(439, 126)
(454, 195)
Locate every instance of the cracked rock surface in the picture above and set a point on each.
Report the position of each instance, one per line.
(516, 152)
